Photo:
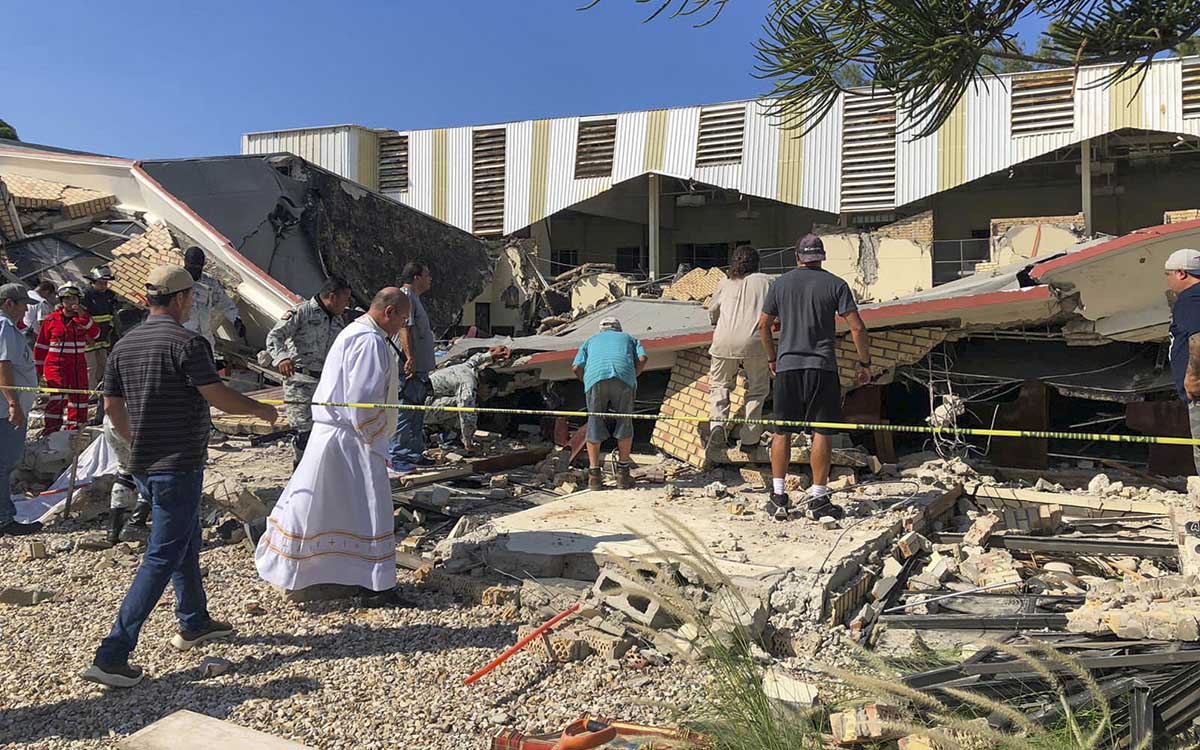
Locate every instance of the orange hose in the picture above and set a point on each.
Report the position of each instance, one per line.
(523, 642)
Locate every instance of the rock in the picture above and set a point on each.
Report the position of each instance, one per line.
(439, 496)
(500, 718)
(92, 543)
(715, 490)
(499, 481)
(61, 545)
(1099, 484)
(736, 509)
(1115, 488)
(498, 493)
(671, 492)
(253, 608)
(913, 543)
(33, 551)
(981, 530)
(453, 458)
(24, 597)
(829, 523)
(233, 496)
(214, 666)
(891, 567)
(781, 686)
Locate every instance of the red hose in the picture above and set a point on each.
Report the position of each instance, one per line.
(523, 642)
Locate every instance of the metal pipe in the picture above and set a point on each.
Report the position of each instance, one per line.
(1085, 179)
(652, 221)
(947, 596)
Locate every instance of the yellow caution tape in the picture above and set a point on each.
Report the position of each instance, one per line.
(839, 426)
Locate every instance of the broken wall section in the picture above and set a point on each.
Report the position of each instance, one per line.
(1018, 239)
(904, 248)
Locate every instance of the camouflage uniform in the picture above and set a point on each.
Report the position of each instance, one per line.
(210, 307)
(304, 336)
(457, 386)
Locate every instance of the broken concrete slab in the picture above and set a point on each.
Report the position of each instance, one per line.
(188, 730)
(780, 686)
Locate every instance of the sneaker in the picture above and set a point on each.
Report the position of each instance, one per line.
(624, 477)
(717, 438)
(595, 479)
(780, 505)
(424, 462)
(186, 639)
(16, 528)
(819, 506)
(114, 675)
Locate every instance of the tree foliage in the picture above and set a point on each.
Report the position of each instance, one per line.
(928, 53)
(8, 132)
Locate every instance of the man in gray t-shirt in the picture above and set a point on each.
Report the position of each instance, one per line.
(416, 340)
(806, 301)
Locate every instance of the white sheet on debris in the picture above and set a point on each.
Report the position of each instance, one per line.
(97, 460)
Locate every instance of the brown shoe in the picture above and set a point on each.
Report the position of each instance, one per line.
(624, 479)
(595, 479)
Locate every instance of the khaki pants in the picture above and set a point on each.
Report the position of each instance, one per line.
(97, 360)
(722, 376)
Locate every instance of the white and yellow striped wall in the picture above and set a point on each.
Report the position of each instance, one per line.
(813, 171)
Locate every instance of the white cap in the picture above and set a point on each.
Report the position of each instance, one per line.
(1184, 260)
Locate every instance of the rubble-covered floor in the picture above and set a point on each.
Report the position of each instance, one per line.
(296, 669)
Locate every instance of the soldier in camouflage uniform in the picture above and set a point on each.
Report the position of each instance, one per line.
(297, 346)
(458, 385)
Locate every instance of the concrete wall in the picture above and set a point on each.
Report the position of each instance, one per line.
(507, 273)
(890, 262)
(1014, 240)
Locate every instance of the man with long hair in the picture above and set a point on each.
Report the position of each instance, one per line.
(734, 310)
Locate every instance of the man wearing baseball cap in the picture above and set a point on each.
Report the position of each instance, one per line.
(1183, 279)
(158, 387)
(16, 369)
(806, 302)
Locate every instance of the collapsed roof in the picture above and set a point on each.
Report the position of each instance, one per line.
(273, 228)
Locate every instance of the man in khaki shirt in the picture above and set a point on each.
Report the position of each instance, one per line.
(734, 309)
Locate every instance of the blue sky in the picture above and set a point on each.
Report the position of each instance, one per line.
(166, 79)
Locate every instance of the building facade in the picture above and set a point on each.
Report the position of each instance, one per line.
(647, 191)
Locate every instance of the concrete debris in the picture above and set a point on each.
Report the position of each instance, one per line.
(214, 666)
(875, 722)
(24, 597)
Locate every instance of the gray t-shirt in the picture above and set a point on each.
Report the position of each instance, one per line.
(806, 301)
(14, 349)
(421, 334)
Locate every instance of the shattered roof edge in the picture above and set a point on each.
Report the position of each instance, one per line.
(1116, 244)
(265, 278)
(80, 158)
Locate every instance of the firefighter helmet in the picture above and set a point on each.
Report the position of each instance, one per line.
(101, 273)
(69, 289)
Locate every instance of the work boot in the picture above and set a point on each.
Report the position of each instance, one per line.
(595, 479)
(717, 438)
(780, 505)
(116, 523)
(624, 478)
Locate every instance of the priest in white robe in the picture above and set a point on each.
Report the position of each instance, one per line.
(333, 524)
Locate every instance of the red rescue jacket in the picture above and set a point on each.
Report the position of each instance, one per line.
(58, 353)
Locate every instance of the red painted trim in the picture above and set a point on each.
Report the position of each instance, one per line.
(1113, 245)
(880, 314)
(250, 265)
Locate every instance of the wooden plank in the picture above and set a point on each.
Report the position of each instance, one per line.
(188, 730)
(430, 477)
(506, 461)
(1106, 504)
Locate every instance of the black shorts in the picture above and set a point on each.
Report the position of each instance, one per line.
(807, 396)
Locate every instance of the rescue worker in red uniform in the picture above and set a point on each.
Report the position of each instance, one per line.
(60, 361)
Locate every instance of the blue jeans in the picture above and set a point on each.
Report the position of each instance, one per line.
(408, 444)
(12, 447)
(173, 555)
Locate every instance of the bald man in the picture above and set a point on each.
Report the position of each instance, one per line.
(333, 524)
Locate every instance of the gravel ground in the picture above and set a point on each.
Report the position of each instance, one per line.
(325, 675)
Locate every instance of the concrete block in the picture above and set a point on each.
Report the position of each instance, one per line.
(892, 567)
(607, 646)
(913, 543)
(24, 597)
(34, 551)
(627, 597)
(187, 730)
(780, 686)
(739, 610)
(981, 530)
(866, 724)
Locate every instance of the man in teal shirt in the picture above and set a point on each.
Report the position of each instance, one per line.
(608, 363)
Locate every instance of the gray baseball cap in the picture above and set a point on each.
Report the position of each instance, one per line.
(810, 249)
(16, 293)
(1184, 260)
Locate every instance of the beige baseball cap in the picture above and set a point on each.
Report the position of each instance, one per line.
(168, 279)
